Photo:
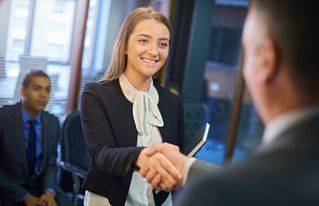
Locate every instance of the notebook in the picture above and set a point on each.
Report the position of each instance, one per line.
(196, 141)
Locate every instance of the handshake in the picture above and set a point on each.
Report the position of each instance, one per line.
(163, 166)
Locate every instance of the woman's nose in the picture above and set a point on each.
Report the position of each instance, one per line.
(153, 50)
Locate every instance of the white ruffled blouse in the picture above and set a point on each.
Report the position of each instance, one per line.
(147, 119)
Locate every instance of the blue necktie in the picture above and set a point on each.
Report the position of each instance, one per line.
(31, 148)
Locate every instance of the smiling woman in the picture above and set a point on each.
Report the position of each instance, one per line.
(147, 51)
(127, 111)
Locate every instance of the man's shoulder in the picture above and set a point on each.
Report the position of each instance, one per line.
(256, 167)
(9, 109)
(8, 106)
(49, 117)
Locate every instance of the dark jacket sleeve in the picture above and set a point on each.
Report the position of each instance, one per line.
(8, 188)
(199, 167)
(96, 114)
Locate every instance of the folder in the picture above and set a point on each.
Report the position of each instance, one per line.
(196, 141)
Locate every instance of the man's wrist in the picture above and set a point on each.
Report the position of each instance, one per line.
(186, 168)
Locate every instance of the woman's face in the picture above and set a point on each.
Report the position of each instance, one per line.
(147, 49)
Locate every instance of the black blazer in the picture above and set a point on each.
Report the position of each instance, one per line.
(13, 161)
(111, 137)
(285, 172)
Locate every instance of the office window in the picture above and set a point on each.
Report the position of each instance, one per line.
(17, 30)
(91, 34)
(221, 70)
(52, 29)
(59, 7)
(38, 35)
(17, 46)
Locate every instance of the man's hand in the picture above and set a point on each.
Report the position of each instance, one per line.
(31, 200)
(47, 199)
(157, 165)
(172, 153)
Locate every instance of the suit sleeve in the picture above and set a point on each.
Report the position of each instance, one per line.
(50, 170)
(100, 139)
(202, 191)
(8, 189)
(199, 167)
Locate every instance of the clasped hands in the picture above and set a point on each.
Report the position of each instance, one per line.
(47, 199)
(162, 165)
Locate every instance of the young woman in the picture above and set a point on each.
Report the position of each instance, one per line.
(127, 111)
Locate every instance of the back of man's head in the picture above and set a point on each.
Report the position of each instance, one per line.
(294, 28)
(33, 73)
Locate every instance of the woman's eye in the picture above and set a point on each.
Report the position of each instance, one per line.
(163, 44)
(143, 41)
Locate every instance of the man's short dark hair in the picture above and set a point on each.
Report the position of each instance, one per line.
(33, 73)
(294, 27)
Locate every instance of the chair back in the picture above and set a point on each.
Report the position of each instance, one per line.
(193, 119)
(73, 146)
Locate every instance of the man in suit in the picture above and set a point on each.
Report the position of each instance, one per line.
(28, 146)
(281, 53)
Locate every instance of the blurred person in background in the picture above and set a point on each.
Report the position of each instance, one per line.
(28, 147)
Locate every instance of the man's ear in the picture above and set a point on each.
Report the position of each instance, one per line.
(21, 91)
(269, 60)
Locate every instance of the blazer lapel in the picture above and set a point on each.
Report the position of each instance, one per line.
(163, 107)
(45, 140)
(19, 135)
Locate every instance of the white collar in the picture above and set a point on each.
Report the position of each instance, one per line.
(284, 122)
(130, 91)
(145, 111)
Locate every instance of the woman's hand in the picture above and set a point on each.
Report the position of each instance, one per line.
(158, 169)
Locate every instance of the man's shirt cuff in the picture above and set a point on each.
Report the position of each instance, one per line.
(51, 190)
(25, 196)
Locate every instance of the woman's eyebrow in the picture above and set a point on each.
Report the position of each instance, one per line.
(149, 36)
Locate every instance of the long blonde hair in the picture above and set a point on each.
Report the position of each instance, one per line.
(119, 58)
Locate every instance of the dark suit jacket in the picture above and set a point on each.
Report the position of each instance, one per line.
(286, 172)
(13, 161)
(111, 137)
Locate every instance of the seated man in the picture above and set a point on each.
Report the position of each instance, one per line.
(28, 147)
